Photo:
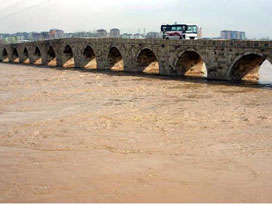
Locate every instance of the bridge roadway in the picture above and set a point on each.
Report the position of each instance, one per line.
(219, 59)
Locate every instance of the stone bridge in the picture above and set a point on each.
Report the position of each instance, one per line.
(214, 59)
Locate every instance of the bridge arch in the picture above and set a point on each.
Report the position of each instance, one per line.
(51, 57)
(37, 59)
(68, 57)
(115, 59)
(5, 57)
(147, 61)
(15, 55)
(246, 66)
(190, 63)
(26, 59)
(89, 58)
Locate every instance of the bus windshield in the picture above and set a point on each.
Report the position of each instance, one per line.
(191, 29)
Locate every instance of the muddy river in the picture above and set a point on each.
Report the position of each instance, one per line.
(77, 136)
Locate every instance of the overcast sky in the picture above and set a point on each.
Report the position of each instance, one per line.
(252, 16)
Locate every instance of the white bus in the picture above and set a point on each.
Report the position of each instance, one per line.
(179, 31)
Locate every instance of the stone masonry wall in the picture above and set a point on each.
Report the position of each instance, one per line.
(219, 56)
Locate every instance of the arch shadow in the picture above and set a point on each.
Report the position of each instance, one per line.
(89, 58)
(246, 67)
(190, 63)
(5, 57)
(51, 57)
(37, 58)
(115, 59)
(68, 57)
(15, 56)
(147, 61)
(26, 59)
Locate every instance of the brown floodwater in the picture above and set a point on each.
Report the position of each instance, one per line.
(87, 136)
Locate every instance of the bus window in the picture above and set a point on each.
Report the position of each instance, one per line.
(189, 29)
(174, 28)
